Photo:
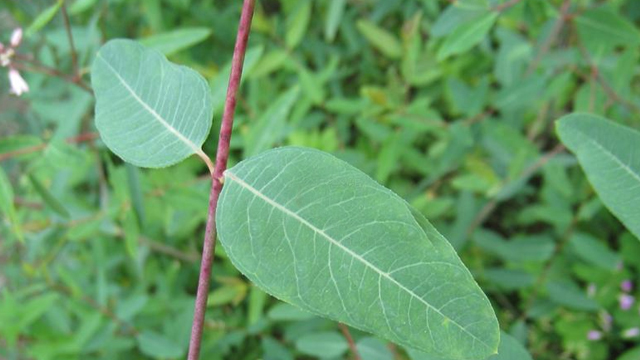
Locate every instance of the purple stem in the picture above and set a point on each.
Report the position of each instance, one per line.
(222, 156)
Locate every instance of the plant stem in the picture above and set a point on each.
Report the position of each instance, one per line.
(34, 66)
(72, 48)
(90, 136)
(352, 345)
(222, 156)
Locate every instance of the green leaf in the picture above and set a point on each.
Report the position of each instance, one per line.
(273, 350)
(149, 111)
(610, 156)
(334, 16)
(594, 252)
(467, 36)
(380, 39)
(601, 27)
(510, 349)
(270, 126)
(298, 23)
(569, 294)
(453, 17)
(172, 42)
(371, 348)
(43, 18)
(48, 198)
(286, 312)
(6, 204)
(318, 233)
(158, 346)
(324, 345)
(220, 83)
(135, 192)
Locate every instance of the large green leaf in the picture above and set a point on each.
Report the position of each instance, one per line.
(150, 112)
(609, 153)
(318, 233)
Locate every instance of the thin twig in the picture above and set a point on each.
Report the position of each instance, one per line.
(26, 63)
(127, 328)
(222, 156)
(557, 27)
(72, 48)
(161, 248)
(31, 149)
(611, 93)
(352, 345)
(506, 5)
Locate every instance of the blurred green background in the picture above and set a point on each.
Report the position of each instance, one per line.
(451, 104)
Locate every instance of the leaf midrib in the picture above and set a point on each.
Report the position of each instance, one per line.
(356, 256)
(612, 156)
(149, 109)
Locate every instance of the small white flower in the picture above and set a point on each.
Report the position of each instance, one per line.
(18, 85)
(16, 37)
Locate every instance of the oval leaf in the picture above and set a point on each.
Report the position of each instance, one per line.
(610, 156)
(318, 233)
(150, 112)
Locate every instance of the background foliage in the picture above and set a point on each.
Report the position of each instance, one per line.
(451, 104)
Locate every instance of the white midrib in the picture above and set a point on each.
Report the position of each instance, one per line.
(364, 261)
(615, 159)
(146, 106)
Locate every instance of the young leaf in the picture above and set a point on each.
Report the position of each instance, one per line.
(318, 233)
(609, 155)
(467, 36)
(150, 112)
(381, 39)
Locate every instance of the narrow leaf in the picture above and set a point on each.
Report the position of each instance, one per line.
(48, 198)
(43, 18)
(610, 156)
(270, 126)
(381, 39)
(334, 16)
(172, 42)
(150, 112)
(314, 231)
(298, 23)
(6, 204)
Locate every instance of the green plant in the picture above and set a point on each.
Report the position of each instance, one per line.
(417, 109)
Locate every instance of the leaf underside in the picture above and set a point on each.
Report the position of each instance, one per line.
(609, 154)
(318, 233)
(150, 112)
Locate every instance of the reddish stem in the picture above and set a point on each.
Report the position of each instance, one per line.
(222, 156)
(352, 345)
(31, 149)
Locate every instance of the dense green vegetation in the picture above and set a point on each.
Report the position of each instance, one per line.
(450, 104)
